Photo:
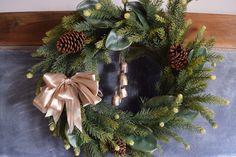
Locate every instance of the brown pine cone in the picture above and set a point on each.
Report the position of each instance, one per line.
(121, 145)
(177, 57)
(71, 42)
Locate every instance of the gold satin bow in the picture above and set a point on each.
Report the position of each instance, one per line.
(82, 88)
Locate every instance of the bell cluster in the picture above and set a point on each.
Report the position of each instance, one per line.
(122, 82)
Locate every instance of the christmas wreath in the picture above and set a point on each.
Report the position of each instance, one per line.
(68, 90)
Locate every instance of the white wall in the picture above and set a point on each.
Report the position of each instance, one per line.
(204, 6)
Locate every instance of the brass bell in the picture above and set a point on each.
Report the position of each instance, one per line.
(123, 93)
(123, 80)
(124, 67)
(116, 100)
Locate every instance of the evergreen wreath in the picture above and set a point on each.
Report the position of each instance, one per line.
(139, 29)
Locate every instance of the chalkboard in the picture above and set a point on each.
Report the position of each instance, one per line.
(24, 130)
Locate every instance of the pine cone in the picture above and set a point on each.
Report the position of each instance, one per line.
(122, 147)
(71, 42)
(178, 57)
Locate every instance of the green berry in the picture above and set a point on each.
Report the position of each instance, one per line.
(161, 124)
(87, 13)
(29, 75)
(213, 77)
(202, 131)
(214, 126)
(130, 142)
(77, 151)
(67, 146)
(127, 15)
(98, 6)
(175, 110)
(187, 147)
(117, 117)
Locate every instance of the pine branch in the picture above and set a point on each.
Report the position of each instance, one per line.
(92, 149)
(183, 124)
(97, 132)
(83, 26)
(209, 99)
(204, 111)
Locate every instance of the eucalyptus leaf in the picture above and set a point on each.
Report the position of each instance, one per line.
(202, 51)
(197, 53)
(190, 55)
(188, 115)
(74, 140)
(138, 9)
(146, 144)
(116, 42)
(161, 100)
(86, 4)
(99, 23)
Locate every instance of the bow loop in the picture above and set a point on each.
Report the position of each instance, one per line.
(60, 91)
(53, 79)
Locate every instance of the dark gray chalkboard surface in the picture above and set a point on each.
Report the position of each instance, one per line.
(24, 131)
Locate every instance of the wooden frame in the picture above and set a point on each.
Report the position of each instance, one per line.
(28, 28)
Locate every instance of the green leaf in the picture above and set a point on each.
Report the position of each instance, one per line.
(140, 12)
(146, 144)
(161, 101)
(86, 4)
(99, 23)
(116, 42)
(188, 115)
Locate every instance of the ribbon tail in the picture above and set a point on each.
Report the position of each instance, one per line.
(77, 116)
(73, 111)
(54, 113)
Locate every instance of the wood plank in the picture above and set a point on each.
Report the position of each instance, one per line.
(221, 27)
(28, 28)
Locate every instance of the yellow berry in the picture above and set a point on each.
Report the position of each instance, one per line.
(130, 142)
(127, 15)
(175, 110)
(98, 6)
(87, 13)
(29, 75)
(213, 77)
(214, 126)
(161, 124)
